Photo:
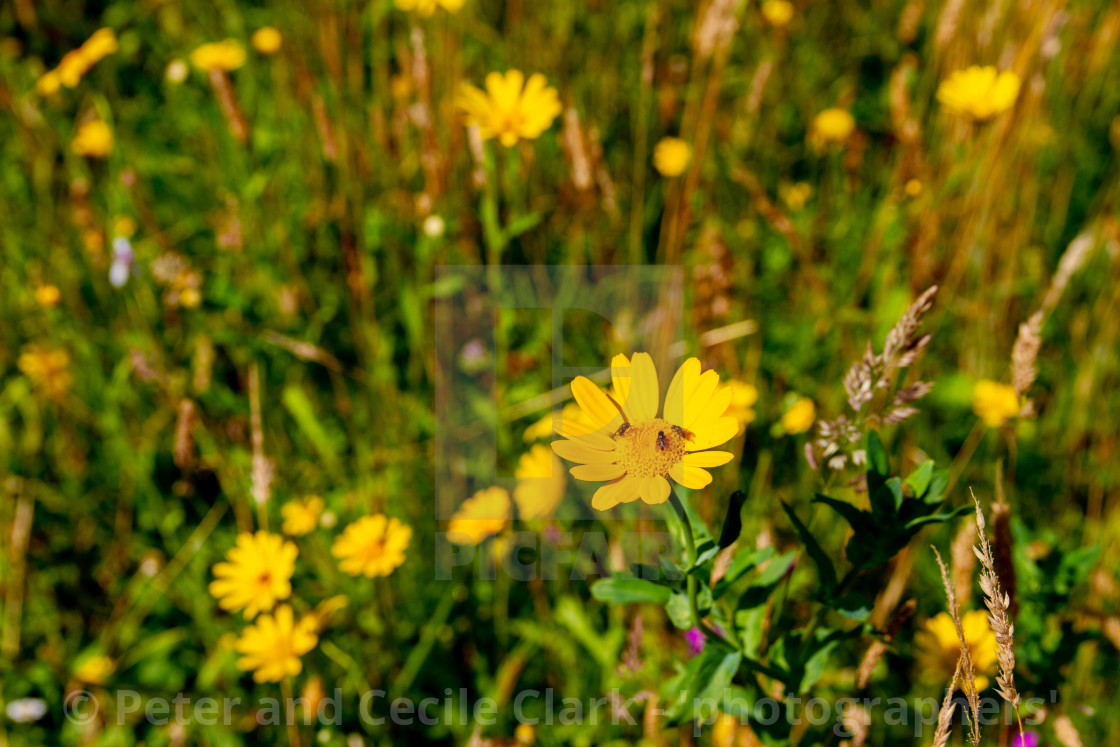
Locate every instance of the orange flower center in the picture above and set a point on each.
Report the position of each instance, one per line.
(652, 447)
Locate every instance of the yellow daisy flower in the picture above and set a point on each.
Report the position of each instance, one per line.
(224, 55)
(634, 449)
(979, 92)
(267, 40)
(510, 109)
(937, 647)
(777, 13)
(671, 156)
(271, 647)
(799, 417)
(94, 670)
(301, 517)
(833, 126)
(93, 139)
(994, 402)
(485, 513)
(48, 295)
(256, 573)
(372, 546)
(743, 397)
(540, 483)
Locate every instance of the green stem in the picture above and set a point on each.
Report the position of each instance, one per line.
(690, 547)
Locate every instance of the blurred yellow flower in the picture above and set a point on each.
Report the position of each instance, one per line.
(671, 156)
(800, 416)
(833, 126)
(124, 226)
(798, 194)
(224, 55)
(777, 12)
(634, 451)
(256, 574)
(372, 546)
(426, 8)
(937, 647)
(271, 647)
(913, 188)
(540, 483)
(994, 402)
(267, 40)
(301, 517)
(510, 109)
(93, 139)
(94, 670)
(979, 92)
(77, 62)
(729, 731)
(47, 368)
(485, 513)
(48, 295)
(525, 735)
(743, 397)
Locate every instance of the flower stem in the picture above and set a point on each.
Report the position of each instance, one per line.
(690, 547)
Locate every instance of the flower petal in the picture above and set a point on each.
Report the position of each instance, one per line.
(708, 458)
(598, 407)
(715, 409)
(689, 476)
(699, 397)
(597, 472)
(620, 378)
(714, 433)
(644, 392)
(684, 381)
(576, 451)
(613, 493)
(655, 490)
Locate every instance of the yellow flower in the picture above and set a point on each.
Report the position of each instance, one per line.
(484, 513)
(94, 139)
(47, 368)
(913, 188)
(525, 735)
(94, 670)
(48, 295)
(979, 92)
(937, 647)
(833, 126)
(271, 647)
(49, 83)
(797, 195)
(510, 109)
(994, 402)
(256, 574)
(71, 68)
(634, 449)
(743, 397)
(540, 483)
(777, 13)
(426, 8)
(671, 156)
(800, 416)
(372, 546)
(301, 517)
(267, 40)
(224, 55)
(102, 44)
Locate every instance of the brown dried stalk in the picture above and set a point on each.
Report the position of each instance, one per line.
(1024, 353)
(945, 715)
(998, 603)
(966, 657)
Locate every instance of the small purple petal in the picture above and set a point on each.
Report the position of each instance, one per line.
(695, 638)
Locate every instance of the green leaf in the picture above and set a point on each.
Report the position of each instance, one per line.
(740, 564)
(854, 606)
(877, 461)
(679, 611)
(627, 590)
(300, 408)
(775, 569)
(705, 678)
(859, 520)
(920, 478)
(733, 523)
(816, 552)
(523, 223)
(921, 521)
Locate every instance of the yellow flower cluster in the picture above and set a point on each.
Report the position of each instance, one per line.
(225, 55)
(778, 13)
(799, 417)
(979, 92)
(832, 126)
(267, 40)
(510, 109)
(94, 670)
(93, 139)
(256, 574)
(485, 513)
(301, 517)
(47, 368)
(272, 647)
(372, 546)
(76, 63)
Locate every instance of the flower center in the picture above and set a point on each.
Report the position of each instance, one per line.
(651, 447)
